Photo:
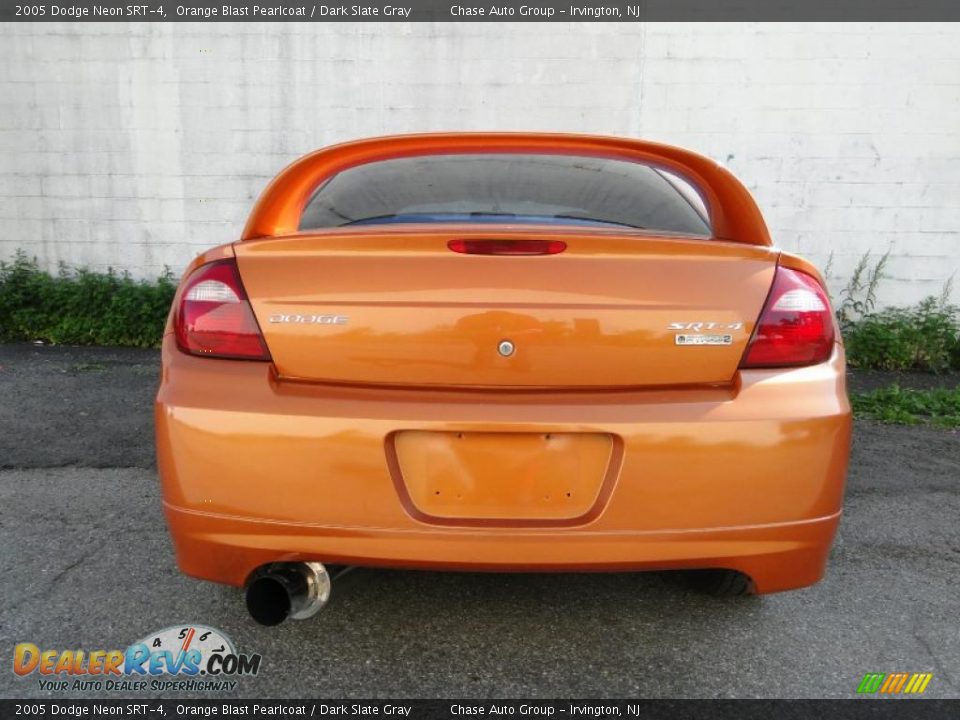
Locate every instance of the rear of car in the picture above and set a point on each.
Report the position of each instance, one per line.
(504, 352)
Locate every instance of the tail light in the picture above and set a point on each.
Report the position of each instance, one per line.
(214, 318)
(796, 325)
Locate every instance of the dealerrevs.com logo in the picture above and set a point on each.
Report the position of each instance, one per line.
(181, 658)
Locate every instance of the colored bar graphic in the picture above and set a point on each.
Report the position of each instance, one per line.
(894, 683)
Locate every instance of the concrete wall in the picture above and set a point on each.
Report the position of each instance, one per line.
(135, 146)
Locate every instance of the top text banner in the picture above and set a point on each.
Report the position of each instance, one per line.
(472, 11)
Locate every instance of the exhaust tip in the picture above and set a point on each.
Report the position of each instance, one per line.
(268, 601)
(281, 590)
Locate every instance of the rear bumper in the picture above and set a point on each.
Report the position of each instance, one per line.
(255, 470)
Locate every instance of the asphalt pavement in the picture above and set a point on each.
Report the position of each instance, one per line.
(86, 563)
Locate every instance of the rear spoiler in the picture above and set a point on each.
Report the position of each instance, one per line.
(733, 214)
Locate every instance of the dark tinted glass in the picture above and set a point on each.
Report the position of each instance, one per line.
(504, 188)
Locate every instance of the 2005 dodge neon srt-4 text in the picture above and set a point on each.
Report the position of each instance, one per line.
(504, 352)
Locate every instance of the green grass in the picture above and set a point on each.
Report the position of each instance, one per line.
(925, 337)
(902, 406)
(81, 307)
(88, 368)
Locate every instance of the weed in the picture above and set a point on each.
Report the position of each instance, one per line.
(902, 406)
(924, 337)
(88, 367)
(859, 297)
(81, 307)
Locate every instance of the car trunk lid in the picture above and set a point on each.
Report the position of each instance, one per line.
(398, 307)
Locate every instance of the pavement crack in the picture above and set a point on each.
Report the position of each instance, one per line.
(62, 573)
(52, 583)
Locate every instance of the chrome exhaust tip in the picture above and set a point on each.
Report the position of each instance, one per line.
(281, 590)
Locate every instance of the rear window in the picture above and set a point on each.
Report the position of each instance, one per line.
(507, 188)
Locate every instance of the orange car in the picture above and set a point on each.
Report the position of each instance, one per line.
(505, 352)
